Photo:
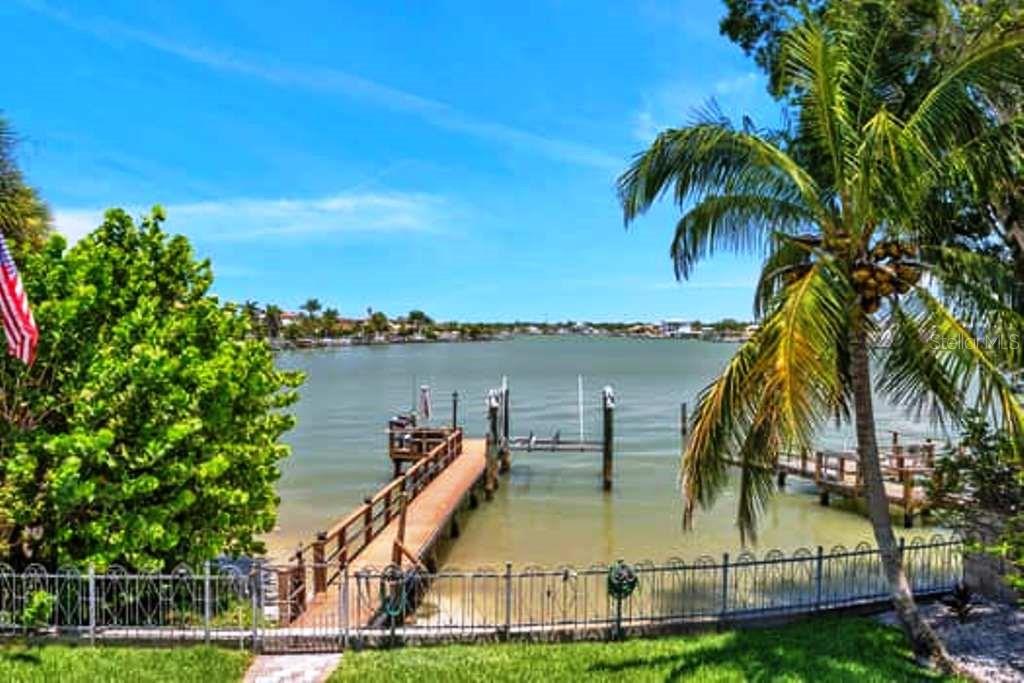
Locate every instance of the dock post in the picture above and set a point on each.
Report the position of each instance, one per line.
(396, 549)
(319, 563)
(780, 477)
(490, 471)
(455, 409)
(684, 421)
(608, 401)
(367, 521)
(504, 453)
(908, 500)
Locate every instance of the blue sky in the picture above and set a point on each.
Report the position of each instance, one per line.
(458, 157)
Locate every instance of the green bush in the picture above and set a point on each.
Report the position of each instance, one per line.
(147, 432)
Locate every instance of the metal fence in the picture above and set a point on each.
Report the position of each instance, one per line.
(239, 601)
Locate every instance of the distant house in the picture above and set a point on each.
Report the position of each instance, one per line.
(679, 329)
(289, 318)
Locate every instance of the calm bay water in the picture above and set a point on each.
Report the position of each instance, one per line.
(550, 508)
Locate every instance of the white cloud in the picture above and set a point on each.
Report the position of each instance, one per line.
(248, 219)
(736, 84)
(674, 104)
(338, 82)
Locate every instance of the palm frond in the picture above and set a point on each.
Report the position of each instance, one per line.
(812, 66)
(710, 158)
(993, 65)
(975, 370)
(800, 342)
(735, 222)
(721, 422)
(789, 256)
(915, 373)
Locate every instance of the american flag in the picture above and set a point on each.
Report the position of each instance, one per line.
(19, 325)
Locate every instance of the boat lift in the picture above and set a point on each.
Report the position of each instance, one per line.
(499, 411)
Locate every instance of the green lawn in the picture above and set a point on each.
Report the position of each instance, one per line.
(849, 649)
(73, 664)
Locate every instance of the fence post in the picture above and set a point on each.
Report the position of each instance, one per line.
(206, 602)
(253, 600)
(817, 580)
(344, 607)
(508, 599)
(92, 604)
(725, 583)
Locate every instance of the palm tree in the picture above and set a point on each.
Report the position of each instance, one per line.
(273, 317)
(837, 217)
(311, 307)
(252, 311)
(24, 217)
(329, 321)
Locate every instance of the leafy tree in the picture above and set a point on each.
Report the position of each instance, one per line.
(419, 320)
(147, 431)
(253, 313)
(984, 214)
(983, 477)
(329, 321)
(377, 323)
(24, 218)
(842, 268)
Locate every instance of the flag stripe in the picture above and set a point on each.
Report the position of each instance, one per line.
(18, 323)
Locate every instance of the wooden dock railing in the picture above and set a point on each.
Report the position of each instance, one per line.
(905, 470)
(335, 548)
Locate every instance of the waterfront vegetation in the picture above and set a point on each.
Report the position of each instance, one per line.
(147, 431)
(317, 326)
(840, 208)
(27, 662)
(850, 649)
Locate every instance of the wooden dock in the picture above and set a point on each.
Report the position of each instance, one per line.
(401, 524)
(906, 471)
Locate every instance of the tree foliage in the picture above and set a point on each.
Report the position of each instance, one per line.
(147, 431)
(24, 218)
(837, 214)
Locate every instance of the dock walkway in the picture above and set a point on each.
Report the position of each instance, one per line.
(431, 491)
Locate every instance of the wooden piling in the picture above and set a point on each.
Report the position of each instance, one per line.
(368, 520)
(396, 550)
(319, 563)
(504, 452)
(491, 472)
(455, 409)
(684, 421)
(607, 451)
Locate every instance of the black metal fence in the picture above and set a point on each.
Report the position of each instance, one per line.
(241, 603)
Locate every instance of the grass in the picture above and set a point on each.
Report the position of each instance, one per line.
(76, 664)
(850, 649)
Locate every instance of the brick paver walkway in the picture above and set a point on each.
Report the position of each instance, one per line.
(292, 668)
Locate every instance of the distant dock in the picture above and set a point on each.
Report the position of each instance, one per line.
(906, 471)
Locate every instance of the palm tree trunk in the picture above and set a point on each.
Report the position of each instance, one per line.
(924, 641)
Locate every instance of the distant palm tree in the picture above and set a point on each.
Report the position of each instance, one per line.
(273, 319)
(252, 311)
(843, 268)
(311, 307)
